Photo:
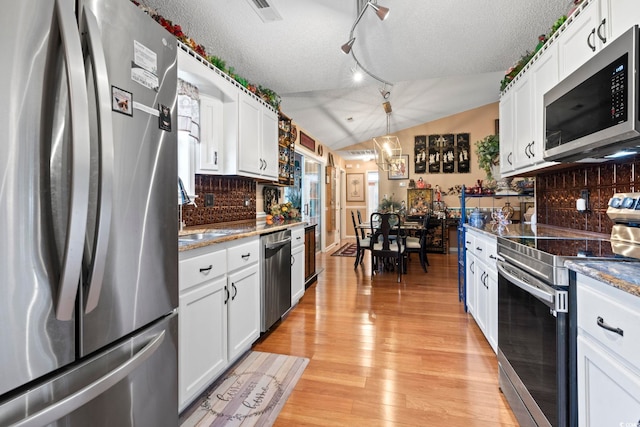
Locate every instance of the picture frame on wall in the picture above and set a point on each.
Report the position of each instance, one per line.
(355, 187)
(307, 141)
(399, 167)
(420, 153)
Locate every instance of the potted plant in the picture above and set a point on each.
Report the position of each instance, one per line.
(488, 151)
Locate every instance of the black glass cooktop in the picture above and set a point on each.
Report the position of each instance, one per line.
(568, 247)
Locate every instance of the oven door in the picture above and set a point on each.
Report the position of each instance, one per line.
(533, 347)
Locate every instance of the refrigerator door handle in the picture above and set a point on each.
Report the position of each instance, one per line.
(105, 126)
(93, 390)
(79, 195)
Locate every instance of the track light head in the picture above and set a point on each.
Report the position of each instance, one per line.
(381, 11)
(346, 48)
(385, 93)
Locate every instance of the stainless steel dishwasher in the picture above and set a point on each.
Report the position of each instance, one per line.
(275, 292)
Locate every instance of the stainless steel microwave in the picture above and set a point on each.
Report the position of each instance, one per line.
(594, 112)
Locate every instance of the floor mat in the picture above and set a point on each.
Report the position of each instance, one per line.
(251, 394)
(348, 249)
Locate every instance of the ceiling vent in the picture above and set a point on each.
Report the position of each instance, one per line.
(360, 154)
(265, 11)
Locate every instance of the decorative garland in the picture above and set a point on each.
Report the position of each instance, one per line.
(512, 72)
(269, 96)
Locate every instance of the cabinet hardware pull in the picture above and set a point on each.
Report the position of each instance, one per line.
(226, 290)
(592, 45)
(478, 248)
(293, 260)
(235, 291)
(601, 26)
(493, 256)
(603, 325)
(468, 242)
(471, 267)
(246, 255)
(206, 270)
(215, 158)
(509, 158)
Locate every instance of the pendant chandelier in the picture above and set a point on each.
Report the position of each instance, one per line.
(388, 146)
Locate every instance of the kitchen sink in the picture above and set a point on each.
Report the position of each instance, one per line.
(195, 237)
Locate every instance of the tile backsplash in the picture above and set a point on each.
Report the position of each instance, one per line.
(557, 191)
(234, 199)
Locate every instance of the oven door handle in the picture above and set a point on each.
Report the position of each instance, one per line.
(536, 288)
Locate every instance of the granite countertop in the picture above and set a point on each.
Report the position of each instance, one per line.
(534, 230)
(619, 274)
(225, 232)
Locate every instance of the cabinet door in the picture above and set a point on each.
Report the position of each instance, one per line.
(203, 337)
(523, 116)
(579, 41)
(211, 134)
(309, 253)
(249, 135)
(297, 274)
(608, 392)
(481, 296)
(492, 308)
(544, 75)
(269, 139)
(244, 309)
(470, 283)
(621, 15)
(507, 135)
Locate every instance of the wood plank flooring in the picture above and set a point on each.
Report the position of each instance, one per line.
(384, 353)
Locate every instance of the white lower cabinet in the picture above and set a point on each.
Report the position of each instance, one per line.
(203, 349)
(243, 309)
(297, 264)
(482, 283)
(219, 311)
(607, 352)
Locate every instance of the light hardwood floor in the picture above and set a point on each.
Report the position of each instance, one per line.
(384, 353)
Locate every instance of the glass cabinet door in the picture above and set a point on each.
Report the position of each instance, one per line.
(312, 196)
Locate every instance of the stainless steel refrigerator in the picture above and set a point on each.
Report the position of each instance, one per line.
(88, 216)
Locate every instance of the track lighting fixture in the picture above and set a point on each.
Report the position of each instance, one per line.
(346, 48)
(382, 13)
(384, 92)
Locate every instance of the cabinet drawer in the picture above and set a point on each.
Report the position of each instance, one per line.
(469, 242)
(201, 268)
(297, 237)
(243, 254)
(617, 310)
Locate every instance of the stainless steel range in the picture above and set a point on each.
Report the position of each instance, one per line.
(534, 307)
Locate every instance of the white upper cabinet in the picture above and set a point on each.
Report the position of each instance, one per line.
(594, 24)
(620, 15)
(258, 140)
(544, 76)
(585, 34)
(507, 122)
(238, 131)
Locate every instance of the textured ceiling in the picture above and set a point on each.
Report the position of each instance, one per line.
(442, 56)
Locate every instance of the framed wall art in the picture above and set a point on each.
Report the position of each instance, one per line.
(463, 153)
(420, 153)
(398, 167)
(307, 141)
(355, 187)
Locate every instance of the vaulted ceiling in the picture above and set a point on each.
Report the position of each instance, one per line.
(442, 56)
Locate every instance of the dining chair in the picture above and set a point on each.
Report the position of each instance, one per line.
(363, 233)
(362, 244)
(418, 244)
(384, 250)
